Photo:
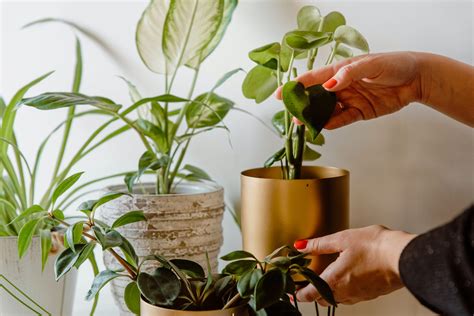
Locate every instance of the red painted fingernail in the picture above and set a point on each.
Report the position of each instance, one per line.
(330, 83)
(301, 244)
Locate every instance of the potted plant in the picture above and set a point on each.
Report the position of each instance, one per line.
(293, 201)
(184, 208)
(159, 286)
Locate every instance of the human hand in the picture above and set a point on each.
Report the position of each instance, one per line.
(368, 86)
(366, 268)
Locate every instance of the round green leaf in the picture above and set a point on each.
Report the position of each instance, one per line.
(269, 289)
(161, 288)
(267, 55)
(132, 298)
(332, 21)
(351, 37)
(260, 83)
(190, 268)
(240, 267)
(305, 40)
(308, 18)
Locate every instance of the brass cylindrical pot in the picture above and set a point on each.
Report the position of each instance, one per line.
(146, 309)
(277, 212)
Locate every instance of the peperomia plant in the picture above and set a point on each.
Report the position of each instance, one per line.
(170, 35)
(312, 106)
(178, 283)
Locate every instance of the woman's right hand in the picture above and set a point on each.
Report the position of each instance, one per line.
(368, 86)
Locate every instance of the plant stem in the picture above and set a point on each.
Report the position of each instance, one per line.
(295, 300)
(333, 53)
(317, 308)
(232, 301)
(300, 150)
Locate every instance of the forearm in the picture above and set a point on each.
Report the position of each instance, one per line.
(447, 86)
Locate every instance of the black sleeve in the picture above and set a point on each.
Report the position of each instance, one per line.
(437, 267)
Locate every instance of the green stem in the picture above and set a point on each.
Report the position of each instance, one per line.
(333, 53)
(95, 270)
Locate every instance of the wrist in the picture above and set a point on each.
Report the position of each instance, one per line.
(393, 243)
(424, 63)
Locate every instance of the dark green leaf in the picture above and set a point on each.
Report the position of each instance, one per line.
(238, 254)
(190, 268)
(57, 100)
(269, 289)
(73, 234)
(66, 260)
(130, 179)
(281, 262)
(26, 213)
(279, 155)
(305, 40)
(208, 109)
(109, 239)
(100, 281)
(149, 160)
(321, 285)
(319, 140)
(161, 288)
(267, 55)
(131, 297)
(260, 83)
(309, 18)
(45, 235)
(313, 106)
(25, 235)
(86, 252)
(240, 267)
(64, 185)
(128, 218)
(248, 281)
(129, 252)
(278, 121)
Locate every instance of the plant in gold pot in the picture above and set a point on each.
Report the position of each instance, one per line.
(294, 201)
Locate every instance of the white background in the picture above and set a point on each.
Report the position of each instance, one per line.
(411, 171)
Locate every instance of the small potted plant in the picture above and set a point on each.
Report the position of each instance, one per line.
(184, 208)
(159, 286)
(293, 201)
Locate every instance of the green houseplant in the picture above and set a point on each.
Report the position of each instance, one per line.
(170, 35)
(307, 201)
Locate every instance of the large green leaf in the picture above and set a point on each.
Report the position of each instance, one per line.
(351, 37)
(309, 18)
(248, 281)
(260, 83)
(208, 109)
(269, 289)
(238, 254)
(25, 236)
(239, 267)
(131, 296)
(74, 234)
(161, 288)
(189, 27)
(154, 132)
(313, 106)
(100, 281)
(66, 260)
(85, 254)
(190, 268)
(128, 218)
(57, 100)
(332, 21)
(305, 40)
(267, 55)
(65, 185)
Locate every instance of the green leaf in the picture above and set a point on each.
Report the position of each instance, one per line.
(130, 179)
(208, 110)
(197, 173)
(313, 106)
(109, 239)
(161, 288)
(3, 106)
(58, 214)
(190, 268)
(351, 37)
(107, 198)
(240, 267)
(154, 132)
(310, 155)
(278, 156)
(26, 234)
(267, 55)
(227, 75)
(248, 281)
(131, 297)
(129, 252)
(100, 281)
(309, 18)
(45, 236)
(26, 213)
(57, 100)
(278, 122)
(343, 52)
(74, 234)
(189, 28)
(128, 218)
(86, 252)
(259, 84)
(332, 21)
(269, 289)
(64, 185)
(86, 207)
(229, 7)
(305, 40)
(321, 285)
(238, 254)
(66, 260)
(319, 140)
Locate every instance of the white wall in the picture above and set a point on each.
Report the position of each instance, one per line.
(412, 170)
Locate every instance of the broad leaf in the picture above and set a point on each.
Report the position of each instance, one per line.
(108, 239)
(267, 55)
(100, 281)
(313, 106)
(46, 244)
(305, 40)
(131, 296)
(190, 268)
(86, 207)
(58, 214)
(278, 122)
(269, 289)
(128, 218)
(161, 288)
(260, 83)
(155, 133)
(310, 154)
(248, 281)
(343, 52)
(208, 109)
(57, 100)
(73, 234)
(189, 27)
(332, 21)
(197, 173)
(149, 160)
(278, 156)
(26, 213)
(238, 254)
(321, 285)
(25, 235)
(240, 267)
(86, 252)
(107, 198)
(319, 140)
(66, 260)
(309, 18)
(64, 185)
(351, 37)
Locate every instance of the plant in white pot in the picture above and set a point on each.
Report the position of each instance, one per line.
(184, 208)
(294, 201)
(158, 286)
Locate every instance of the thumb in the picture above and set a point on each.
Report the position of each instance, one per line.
(355, 71)
(323, 245)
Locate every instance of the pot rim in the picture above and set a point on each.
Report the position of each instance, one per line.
(195, 312)
(204, 187)
(343, 173)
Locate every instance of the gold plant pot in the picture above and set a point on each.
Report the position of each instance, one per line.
(146, 309)
(277, 212)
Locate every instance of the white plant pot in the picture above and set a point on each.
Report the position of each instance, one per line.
(25, 289)
(183, 225)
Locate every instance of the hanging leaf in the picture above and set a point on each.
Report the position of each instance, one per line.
(86, 253)
(197, 172)
(309, 18)
(57, 100)
(351, 37)
(34, 209)
(269, 289)
(73, 235)
(25, 235)
(65, 185)
(267, 55)
(128, 218)
(208, 109)
(321, 285)
(279, 155)
(310, 155)
(100, 281)
(66, 260)
(278, 122)
(131, 296)
(46, 244)
(332, 21)
(259, 84)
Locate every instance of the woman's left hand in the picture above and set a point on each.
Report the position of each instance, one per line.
(366, 268)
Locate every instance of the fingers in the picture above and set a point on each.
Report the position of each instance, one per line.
(310, 294)
(365, 68)
(343, 118)
(324, 245)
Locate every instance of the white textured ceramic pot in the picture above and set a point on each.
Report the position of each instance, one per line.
(25, 289)
(186, 224)
(147, 309)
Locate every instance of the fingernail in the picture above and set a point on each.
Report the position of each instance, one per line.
(330, 83)
(301, 244)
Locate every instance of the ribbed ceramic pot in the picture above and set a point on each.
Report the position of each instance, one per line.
(276, 212)
(25, 289)
(147, 309)
(186, 224)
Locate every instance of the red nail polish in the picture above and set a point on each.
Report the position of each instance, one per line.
(330, 83)
(301, 244)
